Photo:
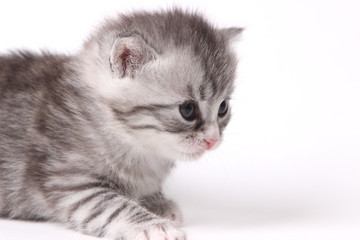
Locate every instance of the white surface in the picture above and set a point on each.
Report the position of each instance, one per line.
(289, 167)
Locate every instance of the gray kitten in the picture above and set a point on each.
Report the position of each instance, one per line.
(87, 140)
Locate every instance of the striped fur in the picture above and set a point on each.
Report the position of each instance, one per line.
(87, 140)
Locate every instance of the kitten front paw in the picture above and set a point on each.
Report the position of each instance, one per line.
(162, 207)
(166, 231)
(173, 212)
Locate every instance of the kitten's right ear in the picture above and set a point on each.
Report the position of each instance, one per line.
(128, 55)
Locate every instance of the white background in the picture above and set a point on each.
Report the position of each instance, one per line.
(289, 167)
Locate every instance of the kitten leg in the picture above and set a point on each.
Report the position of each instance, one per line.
(96, 209)
(161, 206)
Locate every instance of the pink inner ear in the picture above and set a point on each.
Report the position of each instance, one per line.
(128, 55)
(124, 59)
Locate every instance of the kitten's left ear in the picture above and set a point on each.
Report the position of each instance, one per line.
(232, 34)
(128, 55)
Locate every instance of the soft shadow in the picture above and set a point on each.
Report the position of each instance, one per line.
(245, 215)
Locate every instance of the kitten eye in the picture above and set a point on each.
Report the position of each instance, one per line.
(188, 111)
(223, 108)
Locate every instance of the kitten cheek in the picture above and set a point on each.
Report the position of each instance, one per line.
(190, 148)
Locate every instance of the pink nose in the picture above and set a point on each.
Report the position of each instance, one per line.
(210, 143)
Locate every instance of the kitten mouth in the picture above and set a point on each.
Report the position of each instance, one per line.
(192, 155)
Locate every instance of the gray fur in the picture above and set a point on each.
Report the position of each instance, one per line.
(87, 140)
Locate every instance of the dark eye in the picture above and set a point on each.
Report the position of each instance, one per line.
(223, 109)
(188, 110)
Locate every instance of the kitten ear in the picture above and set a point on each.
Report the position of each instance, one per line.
(232, 33)
(128, 55)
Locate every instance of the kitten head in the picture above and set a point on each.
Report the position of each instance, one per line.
(167, 77)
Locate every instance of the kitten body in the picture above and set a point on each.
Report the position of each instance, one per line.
(87, 140)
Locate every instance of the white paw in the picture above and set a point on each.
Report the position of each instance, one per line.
(165, 231)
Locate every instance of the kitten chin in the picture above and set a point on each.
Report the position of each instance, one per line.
(87, 140)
